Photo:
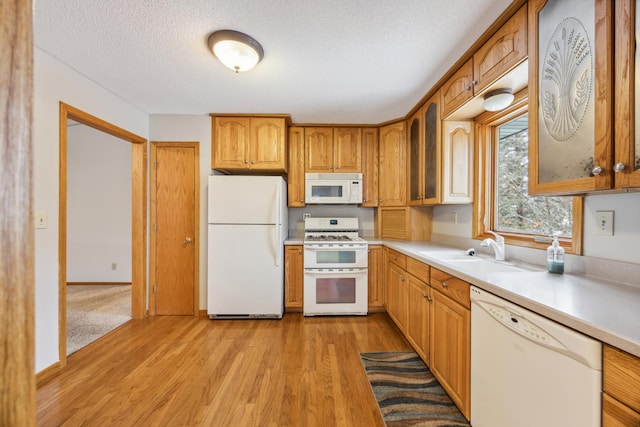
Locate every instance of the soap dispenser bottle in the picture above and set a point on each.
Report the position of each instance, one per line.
(555, 256)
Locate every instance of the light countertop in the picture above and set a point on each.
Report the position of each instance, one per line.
(607, 311)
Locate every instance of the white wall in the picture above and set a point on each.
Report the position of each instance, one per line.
(98, 206)
(55, 82)
(175, 128)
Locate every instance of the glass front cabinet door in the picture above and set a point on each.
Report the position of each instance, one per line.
(570, 96)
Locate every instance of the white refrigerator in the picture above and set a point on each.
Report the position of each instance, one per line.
(248, 220)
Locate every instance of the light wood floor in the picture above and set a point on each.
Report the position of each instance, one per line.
(185, 371)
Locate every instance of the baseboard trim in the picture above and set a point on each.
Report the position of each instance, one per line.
(47, 374)
(96, 283)
(202, 313)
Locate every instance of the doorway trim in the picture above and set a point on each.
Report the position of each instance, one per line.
(153, 209)
(138, 217)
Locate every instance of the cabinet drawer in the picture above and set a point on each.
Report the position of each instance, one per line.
(451, 286)
(398, 258)
(615, 414)
(621, 373)
(418, 269)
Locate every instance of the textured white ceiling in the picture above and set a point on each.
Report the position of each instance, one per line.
(326, 61)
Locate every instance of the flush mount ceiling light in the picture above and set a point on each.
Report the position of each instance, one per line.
(235, 50)
(498, 99)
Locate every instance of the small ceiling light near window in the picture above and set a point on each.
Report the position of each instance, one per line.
(498, 99)
(235, 50)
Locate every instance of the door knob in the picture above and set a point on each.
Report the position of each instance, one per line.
(187, 240)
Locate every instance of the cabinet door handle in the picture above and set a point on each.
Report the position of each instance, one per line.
(401, 278)
(395, 258)
(596, 170)
(246, 161)
(444, 285)
(428, 298)
(467, 87)
(618, 167)
(299, 251)
(253, 162)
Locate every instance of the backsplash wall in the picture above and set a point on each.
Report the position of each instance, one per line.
(364, 215)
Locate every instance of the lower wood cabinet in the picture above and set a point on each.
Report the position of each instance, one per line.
(621, 386)
(375, 290)
(419, 316)
(451, 348)
(293, 277)
(433, 311)
(396, 287)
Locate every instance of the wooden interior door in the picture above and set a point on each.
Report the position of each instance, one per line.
(175, 231)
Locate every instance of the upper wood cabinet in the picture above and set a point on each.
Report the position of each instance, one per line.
(425, 160)
(318, 143)
(392, 170)
(457, 162)
(333, 149)
(627, 91)
(458, 89)
(571, 96)
(370, 159)
(501, 53)
(249, 144)
(295, 182)
(347, 149)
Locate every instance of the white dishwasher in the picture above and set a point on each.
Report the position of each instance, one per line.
(527, 370)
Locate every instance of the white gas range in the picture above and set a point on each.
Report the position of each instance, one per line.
(335, 267)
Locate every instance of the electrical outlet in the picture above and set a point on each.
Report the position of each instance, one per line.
(41, 220)
(604, 223)
(305, 216)
(453, 217)
(114, 265)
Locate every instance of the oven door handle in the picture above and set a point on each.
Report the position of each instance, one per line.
(327, 271)
(335, 248)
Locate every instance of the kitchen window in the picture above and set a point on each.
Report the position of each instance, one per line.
(502, 200)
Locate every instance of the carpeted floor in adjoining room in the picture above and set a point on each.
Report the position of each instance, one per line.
(407, 392)
(94, 310)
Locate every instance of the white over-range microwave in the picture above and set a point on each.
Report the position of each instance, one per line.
(333, 188)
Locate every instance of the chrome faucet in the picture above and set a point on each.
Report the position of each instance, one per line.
(497, 245)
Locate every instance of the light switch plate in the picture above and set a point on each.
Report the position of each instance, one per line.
(604, 223)
(41, 220)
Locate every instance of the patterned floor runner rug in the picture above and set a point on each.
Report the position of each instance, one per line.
(407, 392)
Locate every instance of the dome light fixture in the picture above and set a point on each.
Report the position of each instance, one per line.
(235, 50)
(497, 99)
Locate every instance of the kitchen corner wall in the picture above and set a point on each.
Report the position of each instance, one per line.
(55, 82)
(190, 128)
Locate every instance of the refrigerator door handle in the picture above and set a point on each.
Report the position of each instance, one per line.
(277, 228)
(276, 252)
